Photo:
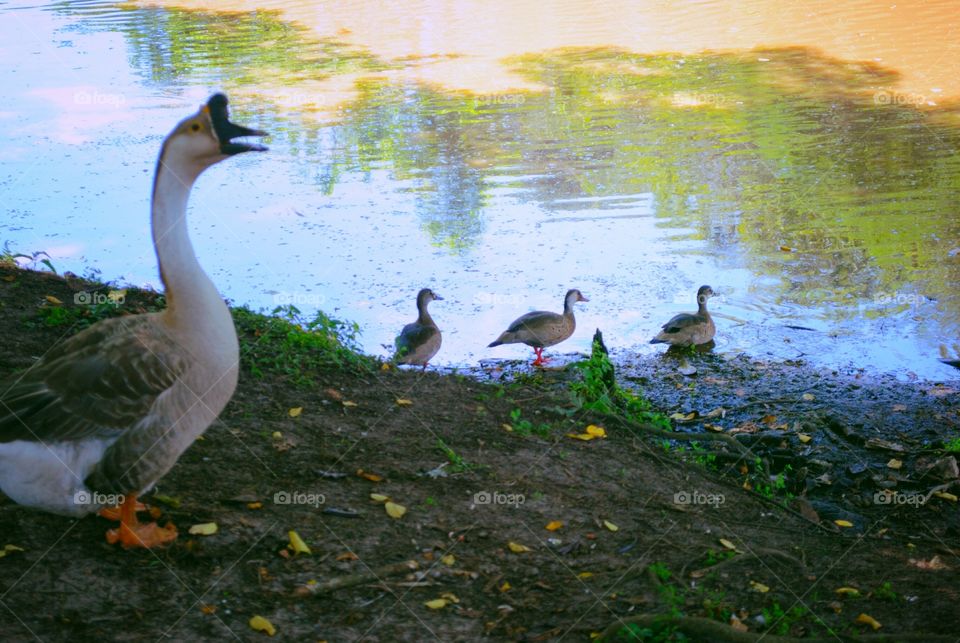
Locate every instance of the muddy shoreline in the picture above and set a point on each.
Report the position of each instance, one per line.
(642, 528)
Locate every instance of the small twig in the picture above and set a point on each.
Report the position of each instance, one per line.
(747, 555)
(674, 435)
(365, 577)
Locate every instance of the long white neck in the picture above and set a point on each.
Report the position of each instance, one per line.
(191, 296)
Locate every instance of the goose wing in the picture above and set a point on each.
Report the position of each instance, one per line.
(98, 383)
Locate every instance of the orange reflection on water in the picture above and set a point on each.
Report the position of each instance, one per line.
(919, 39)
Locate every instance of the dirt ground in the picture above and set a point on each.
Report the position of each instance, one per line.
(513, 531)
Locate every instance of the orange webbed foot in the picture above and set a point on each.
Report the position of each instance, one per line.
(133, 533)
(147, 535)
(113, 513)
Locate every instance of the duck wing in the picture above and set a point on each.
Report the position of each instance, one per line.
(534, 320)
(682, 322)
(412, 336)
(99, 383)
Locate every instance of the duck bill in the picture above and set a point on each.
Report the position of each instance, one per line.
(582, 298)
(227, 131)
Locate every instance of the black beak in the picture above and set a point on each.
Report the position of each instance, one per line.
(226, 131)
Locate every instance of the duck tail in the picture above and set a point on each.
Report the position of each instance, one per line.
(657, 340)
(495, 342)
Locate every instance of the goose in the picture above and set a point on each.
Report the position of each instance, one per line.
(688, 329)
(103, 416)
(541, 328)
(419, 341)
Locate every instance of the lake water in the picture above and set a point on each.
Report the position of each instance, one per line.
(800, 157)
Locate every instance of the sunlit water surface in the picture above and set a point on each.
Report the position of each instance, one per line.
(802, 161)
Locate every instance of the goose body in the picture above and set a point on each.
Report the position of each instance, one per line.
(419, 341)
(689, 329)
(540, 328)
(108, 412)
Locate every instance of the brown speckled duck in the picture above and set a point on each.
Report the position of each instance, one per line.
(419, 341)
(541, 328)
(101, 417)
(688, 329)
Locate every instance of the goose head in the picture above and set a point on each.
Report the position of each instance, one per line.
(207, 137)
(704, 293)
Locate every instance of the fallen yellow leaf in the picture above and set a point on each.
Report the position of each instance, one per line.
(372, 477)
(394, 510)
(385, 366)
(808, 397)
(276, 435)
(866, 619)
(758, 587)
(945, 495)
(379, 497)
(584, 575)
(297, 544)
(894, 463)
(254, 505)
(204, 529)
(609, 525)
(53, 300)
(852, 592)
(727, 544)
(506, 427)
(402, 401)
(437, 603)
(684, 417)
(295, 411)
(506, 587)
(554, 525)
(348, 403)
(581, 436)
(9, 549)
(517, 548)
(803, 437)
(450, 596)
(843, 523)
(448, 560)
(260, 624)
(597, 431)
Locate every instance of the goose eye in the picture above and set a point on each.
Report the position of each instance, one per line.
(195, 127)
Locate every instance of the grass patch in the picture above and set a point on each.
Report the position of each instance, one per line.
(286, 344)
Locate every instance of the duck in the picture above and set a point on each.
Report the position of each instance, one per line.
(540, 328)
(419, 341)
(689, 329)
(947, 359)
(100, 418)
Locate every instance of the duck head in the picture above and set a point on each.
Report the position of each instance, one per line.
(704, 293)
(572, 297)
(207, 137)
(425, 296)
